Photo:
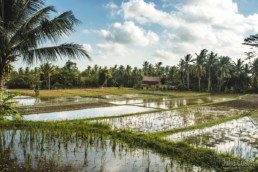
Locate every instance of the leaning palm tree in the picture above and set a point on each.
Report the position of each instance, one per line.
(199, 65)
(26, 25)
(210, 63)
(188, 59)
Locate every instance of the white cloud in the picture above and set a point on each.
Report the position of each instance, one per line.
(87, 47)
(146, 12)
(111, 5)
(197, 24)
(113, 49)
(86, 31)
(162, 54)
(129, 33)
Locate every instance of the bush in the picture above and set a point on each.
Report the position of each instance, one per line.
(7, 107)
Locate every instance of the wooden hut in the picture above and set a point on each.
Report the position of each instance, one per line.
(151, 82)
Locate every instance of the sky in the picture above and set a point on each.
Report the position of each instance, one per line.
(129, 32)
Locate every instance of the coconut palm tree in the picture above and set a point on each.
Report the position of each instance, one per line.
(199, 65)
(181, 67)
(210, 63)
(188, 59)
(26, 26)
(254, 70)
(46, 70)
(224, 66)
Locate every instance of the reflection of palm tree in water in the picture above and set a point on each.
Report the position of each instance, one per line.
(255, 124)
(37, 101)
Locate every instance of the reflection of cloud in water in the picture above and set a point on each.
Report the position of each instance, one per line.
(237, 137)
(99, 155)
(159, 121)
(87, 113)
(62, 116)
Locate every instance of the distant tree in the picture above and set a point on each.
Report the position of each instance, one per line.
(199, 65)
(210, 63)
(46, 70)
(104, 75)
(254, 70)
(223, 72)
(187, 60)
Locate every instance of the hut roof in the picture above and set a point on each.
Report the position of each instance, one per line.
(151, 79)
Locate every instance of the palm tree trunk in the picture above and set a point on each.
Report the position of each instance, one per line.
(199, 83)
(1, 79)
(188, 84)
(209, 81)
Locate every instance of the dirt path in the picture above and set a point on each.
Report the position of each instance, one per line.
(33, 110)
(249, 102)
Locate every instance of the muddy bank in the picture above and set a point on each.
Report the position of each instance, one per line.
(33, 110)
(249, 102)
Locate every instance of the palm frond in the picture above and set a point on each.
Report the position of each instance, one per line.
(72, 51)
(32, 22)
(52, 30)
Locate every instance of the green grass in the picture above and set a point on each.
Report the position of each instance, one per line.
(97, 92)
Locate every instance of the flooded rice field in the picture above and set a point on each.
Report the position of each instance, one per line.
(30, 150)
(85, 113)
(238, 137)
(160, 121)
(30, 101)
(170, 102)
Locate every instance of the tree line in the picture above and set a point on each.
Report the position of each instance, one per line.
(204, 71)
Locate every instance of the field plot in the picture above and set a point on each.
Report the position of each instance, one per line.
(238, 137)
(160, 121)
(128, 131)
(85, 113)
(39, 150)
(30, 101)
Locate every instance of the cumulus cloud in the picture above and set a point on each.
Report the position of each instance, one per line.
(129, 33)
(113, 49)
(163, 54)
(87, 47)
(146, 12)
(111, 5)
(197, 24)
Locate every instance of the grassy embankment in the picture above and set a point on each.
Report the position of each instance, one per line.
(97, 92)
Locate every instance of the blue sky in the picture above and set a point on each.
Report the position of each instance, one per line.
(133, 31)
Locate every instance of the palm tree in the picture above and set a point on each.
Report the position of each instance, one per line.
(200, 59)
(181, 68)
(239, 74)
(145, 67)
(255, 72)
(188, 59)
(46, 70)
(210, 63)
(223, 71)
(25, 26)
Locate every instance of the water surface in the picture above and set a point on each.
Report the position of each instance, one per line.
(38, 149)
(180, 118)
(85, 113)
(237, 137)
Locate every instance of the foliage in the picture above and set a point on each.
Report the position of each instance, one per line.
(7, 107)
(27, 25)
(207, 72)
